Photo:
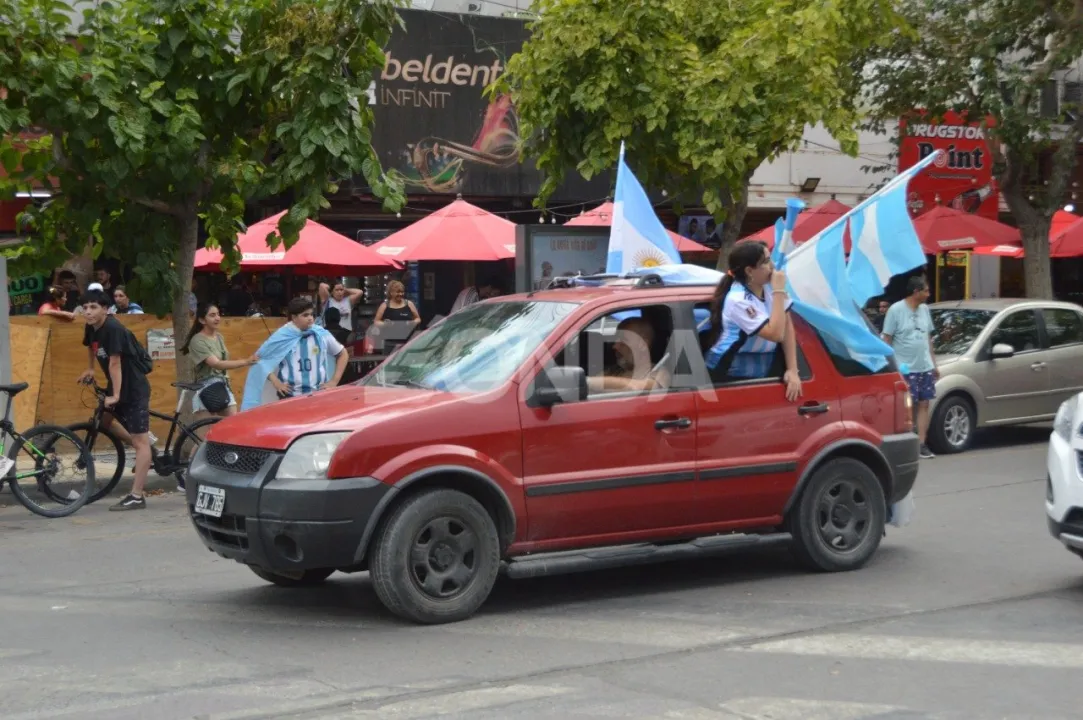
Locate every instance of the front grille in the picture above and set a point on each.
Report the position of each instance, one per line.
(228, 531)
(248, 460)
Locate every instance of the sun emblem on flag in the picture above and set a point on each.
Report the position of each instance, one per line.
(649, 257)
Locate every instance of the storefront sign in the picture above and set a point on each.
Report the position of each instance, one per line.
(963, 176)
(26, 294)
(433, 122)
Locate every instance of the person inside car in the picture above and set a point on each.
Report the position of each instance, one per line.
(750, 320)
(633, 370)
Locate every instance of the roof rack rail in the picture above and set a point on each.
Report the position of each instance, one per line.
(646, 280)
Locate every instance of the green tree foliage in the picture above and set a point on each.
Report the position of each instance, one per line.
(156, 116)
(991, 59)
(701, 92)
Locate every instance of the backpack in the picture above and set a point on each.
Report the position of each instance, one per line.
(141, 359)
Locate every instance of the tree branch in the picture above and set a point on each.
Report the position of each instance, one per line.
(160, 206)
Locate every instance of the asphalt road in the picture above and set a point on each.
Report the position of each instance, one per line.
(971, 612)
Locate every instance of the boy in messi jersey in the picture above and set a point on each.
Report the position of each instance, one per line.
(305, 367)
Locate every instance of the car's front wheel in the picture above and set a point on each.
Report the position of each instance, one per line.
(951, 429)
(839, 519)
(436, 558)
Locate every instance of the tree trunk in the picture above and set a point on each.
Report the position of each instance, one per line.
(736, 209)
(188, 227)
(1034, 225)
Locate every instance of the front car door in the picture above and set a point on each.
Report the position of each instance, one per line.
(1017, 387)
(617, 463)
(1064, 335)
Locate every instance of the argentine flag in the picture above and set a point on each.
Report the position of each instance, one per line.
(884, 240)
(816, 281)
(637, 238)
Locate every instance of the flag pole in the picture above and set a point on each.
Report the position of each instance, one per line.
(903, 177)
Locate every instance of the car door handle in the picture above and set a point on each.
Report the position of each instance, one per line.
(666, 423)
(813, 409)
(1037, 367)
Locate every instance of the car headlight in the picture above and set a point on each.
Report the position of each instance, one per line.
(309, 456)
(1065, 421)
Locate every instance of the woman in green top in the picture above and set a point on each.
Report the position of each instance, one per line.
(210, 359)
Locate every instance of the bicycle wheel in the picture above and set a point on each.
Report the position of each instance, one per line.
(185, 446)
(51, 462)
(107, 452)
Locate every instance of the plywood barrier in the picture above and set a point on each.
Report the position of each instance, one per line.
(49, 355)
(29, 346)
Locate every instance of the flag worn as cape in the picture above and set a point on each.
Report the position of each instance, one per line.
(271, 353)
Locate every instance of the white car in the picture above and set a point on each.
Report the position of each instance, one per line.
(1064, 485)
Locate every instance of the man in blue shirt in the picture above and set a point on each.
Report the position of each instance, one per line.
(908, 328)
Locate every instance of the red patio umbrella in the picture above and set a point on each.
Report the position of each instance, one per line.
(1065, 239)
(602, 216)
(319, 250)
(459, 231)
(809, 223)
(943, 228)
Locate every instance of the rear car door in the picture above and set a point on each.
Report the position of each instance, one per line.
(750, 439)
(1064, 333)
(616, 463)
(1016, 387)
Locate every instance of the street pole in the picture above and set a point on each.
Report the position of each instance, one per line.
(5, 325)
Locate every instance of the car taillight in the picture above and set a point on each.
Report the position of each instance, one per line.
(904, 408)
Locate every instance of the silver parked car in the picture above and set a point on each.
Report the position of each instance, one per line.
(1002, 362)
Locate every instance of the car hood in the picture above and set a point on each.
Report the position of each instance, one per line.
(943, 361)
(352, 407)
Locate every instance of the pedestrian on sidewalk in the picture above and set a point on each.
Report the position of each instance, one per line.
(207, 350)
(114, 347)
(908, 328)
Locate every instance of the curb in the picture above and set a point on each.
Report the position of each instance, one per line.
(124, 486)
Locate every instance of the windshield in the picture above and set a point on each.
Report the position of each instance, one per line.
(474, 350)
(956, 329)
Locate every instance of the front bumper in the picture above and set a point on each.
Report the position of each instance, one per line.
(903, 457)
(284, 525)
(1064, 491)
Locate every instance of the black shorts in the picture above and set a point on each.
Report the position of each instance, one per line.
(134, 415)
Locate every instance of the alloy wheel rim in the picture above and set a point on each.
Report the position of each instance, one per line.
(843, 516)
(444, 557)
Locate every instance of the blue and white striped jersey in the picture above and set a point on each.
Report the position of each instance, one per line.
(739, 346)
(306, 366)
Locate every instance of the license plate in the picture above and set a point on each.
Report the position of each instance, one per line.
(210, 501)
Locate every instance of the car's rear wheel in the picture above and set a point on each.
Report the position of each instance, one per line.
(300, 578)
(839, 520)
(951, 429)
(436, 558)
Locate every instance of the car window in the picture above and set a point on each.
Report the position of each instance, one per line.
(609, 346)
(1064, 327)
(474, 350)
(1020, 330)
(956, 329)
(703, 330)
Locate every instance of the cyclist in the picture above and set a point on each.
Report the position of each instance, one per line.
(113, 345)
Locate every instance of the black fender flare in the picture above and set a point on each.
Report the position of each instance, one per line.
(413, 478)
(831, 449)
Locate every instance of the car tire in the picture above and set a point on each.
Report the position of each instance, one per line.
(306, 578)
(951, 428)
(436, 558)
(839, 518)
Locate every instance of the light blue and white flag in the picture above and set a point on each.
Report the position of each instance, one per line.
(784, 231)
(637, 238)
(884, 242)
(816, 281)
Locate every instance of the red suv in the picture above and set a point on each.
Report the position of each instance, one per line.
(480, 447)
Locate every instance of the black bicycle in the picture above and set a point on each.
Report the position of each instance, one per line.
(108, 451)
(47, 467)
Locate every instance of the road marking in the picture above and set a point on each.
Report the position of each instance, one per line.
(777, 708)
(630, 631)
(465, 701)
(955, 650)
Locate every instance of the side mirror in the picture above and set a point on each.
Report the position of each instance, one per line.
(1002, 350)
(559, 385)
